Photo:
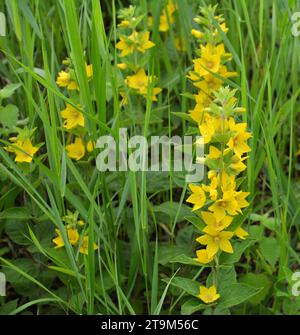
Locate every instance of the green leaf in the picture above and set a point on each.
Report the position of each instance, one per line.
(256, 232)
(25, 9)
(184, 259)
(183, 116)
(196, 222)
(269, 248)
(191, 306)
(188, 95)
(184, 237)
(9, 116)
(16, 213)
(8, 90)
(188, 285)
(23, 285)
(225, 277)
(8, 307)
(173, 210)
(268, 222)
(259, 280)
(167, 253)
(18, 232)
(235, 294)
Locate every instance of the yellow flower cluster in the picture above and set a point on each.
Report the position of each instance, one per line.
(67, 78)
(73, 116)
(73, 224)
(219, 201)
(133, 46)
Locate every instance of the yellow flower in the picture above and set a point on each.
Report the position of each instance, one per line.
(208, 295)
(211, 221)
(237, 163)
(227, 203)
(90, 146)
(89, 71)
(80, 223)
(227, 182)
(140, 82)
(215, 241)
(209, 126)
(171, 8)
(164, 24)
(240, 199)
(73, 86)
(202, 256)
(237, 142)
(202, 101)
(124, 100)
(72, 234)
(222, 27)
(196, 33)
(210, 60)
(225, 74)
(23, 149)
(180, 44)
(124, 24)
(122, 66)
(136, 41)
(73, 117)
(210, 49)
(214, 153)
(197, 198)
(84, 246)
(212, 188)
(241, 233)
(207, 64)
(209, 84)
(76, 150)
(212, 174)
(64, 80)
(167, 18)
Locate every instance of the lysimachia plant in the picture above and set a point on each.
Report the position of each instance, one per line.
(218, 203)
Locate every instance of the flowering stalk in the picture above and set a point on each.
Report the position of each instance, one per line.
(219, 202)
(73, 224)
(74, 122)
(77, 147)
(167, 24)
(133, 46)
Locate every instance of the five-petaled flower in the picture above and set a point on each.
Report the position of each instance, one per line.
(76, 150)
(73, 117)
(215, 241)
(136, 41)
(140, 83)
(208, 295)
(23, 149)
